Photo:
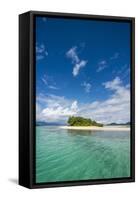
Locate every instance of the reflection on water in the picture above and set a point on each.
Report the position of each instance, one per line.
(101, 134)
(63, 155)
(79, 132)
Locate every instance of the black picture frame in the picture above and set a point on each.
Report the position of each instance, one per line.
(27, 99)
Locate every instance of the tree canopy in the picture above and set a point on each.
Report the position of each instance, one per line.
(81, 121)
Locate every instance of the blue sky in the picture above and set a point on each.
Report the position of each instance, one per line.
(82, 68)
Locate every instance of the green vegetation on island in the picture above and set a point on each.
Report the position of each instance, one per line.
(81, 121)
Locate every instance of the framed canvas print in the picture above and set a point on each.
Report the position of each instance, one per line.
(76, 99)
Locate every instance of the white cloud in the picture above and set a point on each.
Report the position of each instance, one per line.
(124, 72)
(114, 84)
(116, 108)
(87, 87)
(102, 65)
(115, 56)
(59, 113)
(44, 79)
(49, 82)
(78, 66)
(74, 106)
(58, 109)
(39, 57)
(53, 87)
(41, 51)
(78, 63)
(71, 53)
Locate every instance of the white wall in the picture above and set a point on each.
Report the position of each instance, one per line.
(9, 10)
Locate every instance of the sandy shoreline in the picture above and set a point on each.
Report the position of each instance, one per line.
(92, 128)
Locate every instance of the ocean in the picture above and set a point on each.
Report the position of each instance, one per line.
(69, 155)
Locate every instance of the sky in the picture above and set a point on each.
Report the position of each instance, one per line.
(82, 69)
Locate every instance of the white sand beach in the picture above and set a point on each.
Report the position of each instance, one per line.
(94, 128)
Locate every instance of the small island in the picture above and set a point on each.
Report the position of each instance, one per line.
(81, 121)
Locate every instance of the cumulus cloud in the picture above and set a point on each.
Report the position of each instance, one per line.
(114, 84)
(116, 108)
(74, 106)
(76, 61)
(87, 87)
(56, 114)
(58, 109)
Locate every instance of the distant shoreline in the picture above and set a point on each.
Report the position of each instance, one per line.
(92, 128)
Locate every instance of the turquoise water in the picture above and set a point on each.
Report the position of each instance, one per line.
(66, 155)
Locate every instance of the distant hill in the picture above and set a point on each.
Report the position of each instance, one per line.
(40, 123)
(118, 124)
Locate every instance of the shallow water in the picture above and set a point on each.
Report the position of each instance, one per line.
(66, 155)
